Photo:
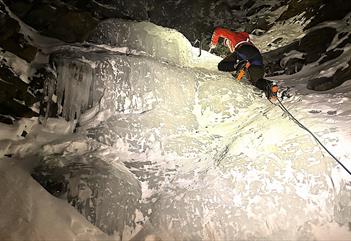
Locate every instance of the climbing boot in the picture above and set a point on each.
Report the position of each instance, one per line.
(274, 92)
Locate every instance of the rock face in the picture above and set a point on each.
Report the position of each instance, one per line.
(324, 45)
(290, 59)
(10, 38)
(316, 10)
(195, 19)
(55, 19)
(326, 83)
(16, 95)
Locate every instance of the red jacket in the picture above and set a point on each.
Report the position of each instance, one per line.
(235, 38)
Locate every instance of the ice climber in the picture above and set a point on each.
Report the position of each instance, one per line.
(245, 60)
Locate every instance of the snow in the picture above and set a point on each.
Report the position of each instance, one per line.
(287, 32)
(291, 55)
(214, 160)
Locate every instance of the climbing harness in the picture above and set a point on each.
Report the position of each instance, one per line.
(285, 110)
(243, 70)
(245, 63)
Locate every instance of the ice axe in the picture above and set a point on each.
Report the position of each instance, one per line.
(200, 45)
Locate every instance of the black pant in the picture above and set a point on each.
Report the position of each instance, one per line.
(254, 73)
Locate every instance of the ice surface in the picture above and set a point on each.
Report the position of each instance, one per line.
(29, 212)
(161, 43)
(99, 186)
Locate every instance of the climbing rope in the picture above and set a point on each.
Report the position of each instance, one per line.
(284, 109)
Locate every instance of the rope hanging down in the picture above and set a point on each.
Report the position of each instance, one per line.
(284, 109)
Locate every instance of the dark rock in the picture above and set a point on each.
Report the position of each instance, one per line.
(70, 20)
(315, 43)
(330, 55)
(293, 66)
(24, 134)
(13, 41)
(260, 23)
(40, 87)
(249, 4)
(21, 8)
(345, 42)
(329, 10)
(235, 7)
(321, 84)
(17, 45)
(7, 119)
(297, 7)
(195, 19)
(8, 26)
(327, 83)
(37, 81)
(106, 194)
(257, 9)
(342, 35)
(277, 40)
(317, 10)
(15, 109)
(13, 86)
(272, 59)
(72, 26)
(56, 20)
(15, 100)
(279, 4)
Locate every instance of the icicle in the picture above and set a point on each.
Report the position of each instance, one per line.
(73, 87)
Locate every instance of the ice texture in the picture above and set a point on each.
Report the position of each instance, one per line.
(205, 157)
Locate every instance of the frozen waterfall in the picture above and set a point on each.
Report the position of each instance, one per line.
(166, 145)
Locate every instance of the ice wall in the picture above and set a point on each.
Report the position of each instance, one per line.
(29, 212)
(155, 99)
(148, 39)
(72, 89)
(158, 42)
(100, 187)
(213, 159)
(132, 104)
(181, 122)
